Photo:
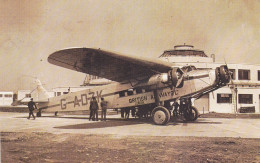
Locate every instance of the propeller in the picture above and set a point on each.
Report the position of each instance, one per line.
(229, 73)
(176, 77)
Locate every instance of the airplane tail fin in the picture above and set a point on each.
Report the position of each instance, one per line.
(40, 93)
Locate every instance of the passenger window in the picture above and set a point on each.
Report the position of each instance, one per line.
(147, 90)
(138, 90)
(130, 92)
(122, 94)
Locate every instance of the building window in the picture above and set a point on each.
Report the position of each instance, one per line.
(1, 95)
(245, 99)
(9, 95)
(58, 93)
(28, 95)
(233, 73)
(243, 74)
(258, 75)
(224, 98)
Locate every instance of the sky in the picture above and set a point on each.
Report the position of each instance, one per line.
(31, 30)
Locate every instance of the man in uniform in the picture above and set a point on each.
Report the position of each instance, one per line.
(94, 108)
(104, 109)
(31, 106)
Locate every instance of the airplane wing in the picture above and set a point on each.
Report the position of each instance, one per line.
(109, 65)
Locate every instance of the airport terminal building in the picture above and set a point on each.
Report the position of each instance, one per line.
(239, 96)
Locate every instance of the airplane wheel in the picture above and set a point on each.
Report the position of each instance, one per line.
(193, 116)
(160, 115)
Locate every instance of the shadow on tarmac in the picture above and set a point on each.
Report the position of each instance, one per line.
(100, 124)
(114, 122)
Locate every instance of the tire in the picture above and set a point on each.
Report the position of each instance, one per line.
(192, 117)
(160, 115)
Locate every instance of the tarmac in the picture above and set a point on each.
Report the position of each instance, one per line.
(115, 126)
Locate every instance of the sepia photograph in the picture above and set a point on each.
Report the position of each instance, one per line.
(111, 81)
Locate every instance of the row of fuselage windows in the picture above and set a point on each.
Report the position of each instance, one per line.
(6, 95)
(243, 74)
(242, 98)
(133, 92)
(60, 93)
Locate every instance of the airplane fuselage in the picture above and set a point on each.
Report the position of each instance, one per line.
(131, 94)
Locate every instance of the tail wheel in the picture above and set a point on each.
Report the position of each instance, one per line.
(160, 115)
(191, 115)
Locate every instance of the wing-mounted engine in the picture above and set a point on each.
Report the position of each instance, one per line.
(174, 78)
(223, 75)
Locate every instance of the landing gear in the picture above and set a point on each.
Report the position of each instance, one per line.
(186, 110)
(160, 115)
(191, 114)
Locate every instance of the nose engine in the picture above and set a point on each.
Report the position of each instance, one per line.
(174, 78)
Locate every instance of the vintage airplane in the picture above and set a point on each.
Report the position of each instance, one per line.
(138, 82)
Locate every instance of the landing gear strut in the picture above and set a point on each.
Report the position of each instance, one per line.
(160, 114)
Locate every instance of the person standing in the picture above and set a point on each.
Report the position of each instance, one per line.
(91, 110)
(31, 106)
(94, 107)
(127, 112)
(104, 109)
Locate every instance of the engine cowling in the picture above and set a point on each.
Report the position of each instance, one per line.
(174, 78)
(224, 74)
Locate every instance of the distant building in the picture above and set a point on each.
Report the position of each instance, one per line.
(26, 95)
(241, 95)
(6, 98)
